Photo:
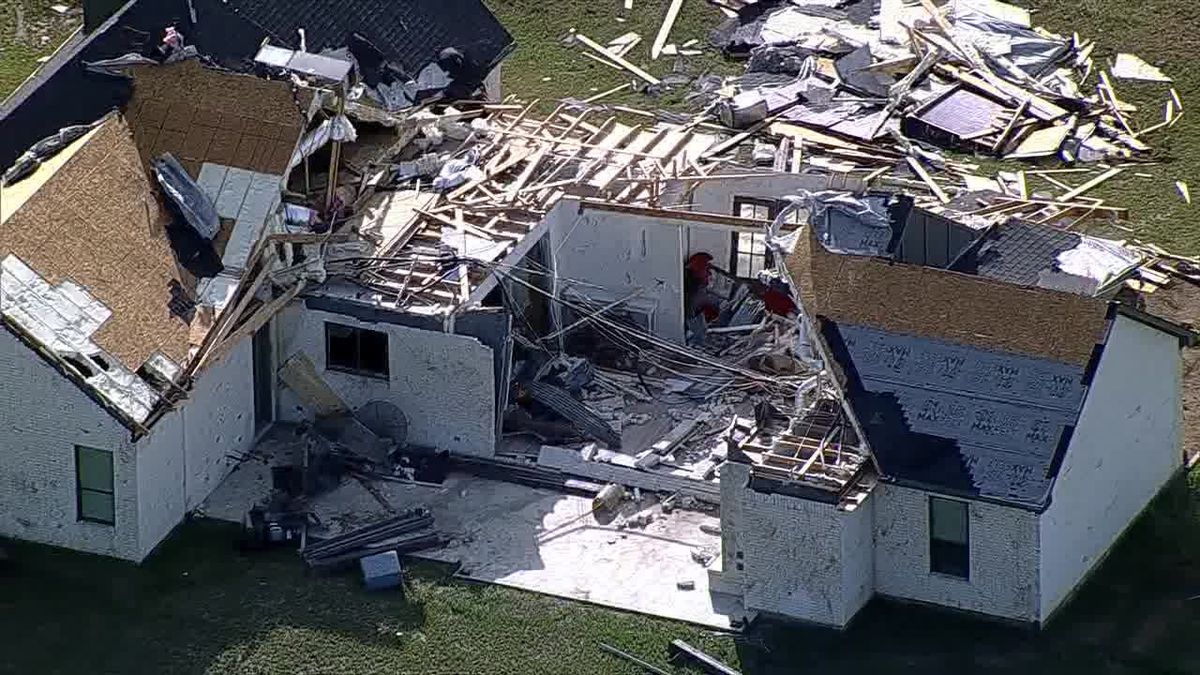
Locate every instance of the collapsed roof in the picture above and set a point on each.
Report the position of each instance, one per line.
(89, 272)
(409, 35)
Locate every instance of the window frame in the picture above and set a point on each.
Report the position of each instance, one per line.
(959, 566)
(357, 368)
(767, 258)
(80, 489)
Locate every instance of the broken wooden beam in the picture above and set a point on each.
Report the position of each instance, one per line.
(619, 60)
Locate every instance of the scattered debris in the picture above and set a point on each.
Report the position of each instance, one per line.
(1130, 67)
(406, 533)
(682, 651)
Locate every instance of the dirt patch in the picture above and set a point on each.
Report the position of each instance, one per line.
(1180, 302)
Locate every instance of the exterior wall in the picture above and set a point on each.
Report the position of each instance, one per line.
(42, 418)
(1003, 556)
(187, 453)
(444, 383)
(790, 555)
(1126, 446)
(858, 556)
(622, 253)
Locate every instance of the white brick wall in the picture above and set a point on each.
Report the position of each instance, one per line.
(1126, 446)
(43, 416)
(444, 383)
(858, 556)
(1003, 556)
(791, 552)
(186, 455)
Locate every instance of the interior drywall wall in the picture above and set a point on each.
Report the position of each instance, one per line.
(444, 383)
(715, 241)
(43, 416)
(192, 448)
(1003, 576)
(717, 195)
(608, 255)
(1126, 446)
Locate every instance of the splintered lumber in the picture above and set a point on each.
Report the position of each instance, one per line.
(682, 650)
(603, 94)
(1184, 191)
(619, 60)
(1089, 185)
(664, 31)
(924, 176)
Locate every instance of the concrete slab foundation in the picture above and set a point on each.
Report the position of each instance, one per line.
(527, 538)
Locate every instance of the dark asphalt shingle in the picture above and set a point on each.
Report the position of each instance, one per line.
(957, 418)
(1016, 252)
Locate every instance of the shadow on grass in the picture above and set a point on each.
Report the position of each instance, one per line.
(1139, 613)
(196, 602)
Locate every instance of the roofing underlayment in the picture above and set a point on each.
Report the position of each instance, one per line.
(958, 418)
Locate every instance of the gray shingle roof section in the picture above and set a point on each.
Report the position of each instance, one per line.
(411, 32)
(1016, 252)
(967, 420)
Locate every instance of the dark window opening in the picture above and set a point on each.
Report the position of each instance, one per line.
(949, 538)
(94, 495)
(79, 365)
(356, 350)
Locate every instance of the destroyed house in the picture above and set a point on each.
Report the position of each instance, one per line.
(142, 227)
(391, 43)
(1014, 429)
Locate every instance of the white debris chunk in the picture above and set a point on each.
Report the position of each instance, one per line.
(1131, 67)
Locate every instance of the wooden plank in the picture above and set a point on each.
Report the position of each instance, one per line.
(620, 60)
(664, 31)
(300, 375)
(928, 180)
(536, 159)
(603, 94)
(604, 176)
(1089, 185)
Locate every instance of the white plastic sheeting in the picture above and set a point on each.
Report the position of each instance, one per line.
(1098, 259)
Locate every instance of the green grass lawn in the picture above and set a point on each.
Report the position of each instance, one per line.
(27, 35)
(197, 606)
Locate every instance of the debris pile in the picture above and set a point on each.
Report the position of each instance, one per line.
(888, 91)
(408, 532)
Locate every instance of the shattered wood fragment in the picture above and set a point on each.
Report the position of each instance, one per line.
(607, 93)
(1184, 191)
(619, 60)
(1131, 67)
(928, 180)
(1089, 185)
(664, 31)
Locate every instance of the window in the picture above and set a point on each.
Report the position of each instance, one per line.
(949, 537)
(356, 350)
(94, 485)
(749, 253)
